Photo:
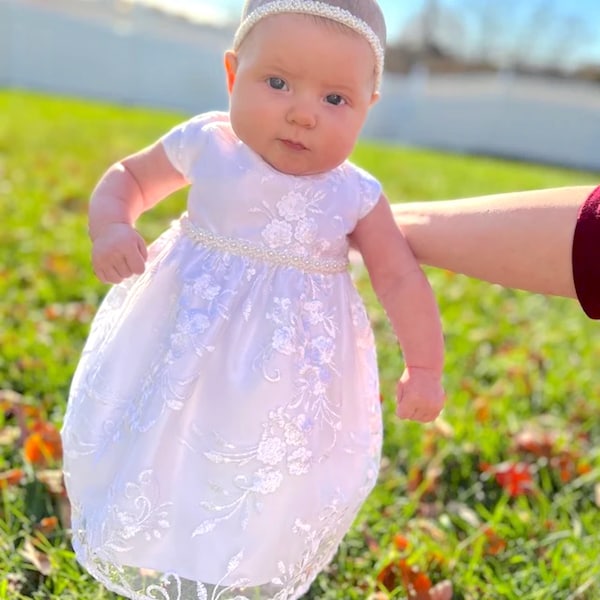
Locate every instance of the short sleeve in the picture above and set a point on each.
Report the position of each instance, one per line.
(586, 255)
(185, 142)
(369, 190)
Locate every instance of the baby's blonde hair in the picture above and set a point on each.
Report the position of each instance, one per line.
(362, 16)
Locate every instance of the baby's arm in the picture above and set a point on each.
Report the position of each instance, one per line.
(408, 300)
(125, 191)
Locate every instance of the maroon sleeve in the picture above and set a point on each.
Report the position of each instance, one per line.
(586, 255)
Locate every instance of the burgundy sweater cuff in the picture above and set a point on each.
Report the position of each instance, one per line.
(586, 255)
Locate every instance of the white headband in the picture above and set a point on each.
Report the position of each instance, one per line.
(317, 9)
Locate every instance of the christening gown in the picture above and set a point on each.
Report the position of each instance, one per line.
(223, 426)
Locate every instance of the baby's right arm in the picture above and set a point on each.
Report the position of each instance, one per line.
(125, 191)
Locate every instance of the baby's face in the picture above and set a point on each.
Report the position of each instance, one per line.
(300, 92)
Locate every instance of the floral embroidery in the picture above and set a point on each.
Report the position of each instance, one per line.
(277, 234)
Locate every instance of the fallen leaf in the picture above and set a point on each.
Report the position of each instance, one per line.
(515, 478)
(36, 557)
(9, 436)
(481, 406)
(47, 525)
(43, 445)
(11, 477)
(53, 479)
(535, 441)
(379, 596)
(494, 543)
(400, 542)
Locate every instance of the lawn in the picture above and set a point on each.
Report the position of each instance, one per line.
(501, 495)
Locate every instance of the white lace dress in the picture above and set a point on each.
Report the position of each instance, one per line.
(224, 426)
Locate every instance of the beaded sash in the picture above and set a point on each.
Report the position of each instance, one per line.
(279, 258)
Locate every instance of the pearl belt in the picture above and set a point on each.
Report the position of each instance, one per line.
(279, 258)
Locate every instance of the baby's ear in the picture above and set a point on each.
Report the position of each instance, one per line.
(231, 63)
(374, 98)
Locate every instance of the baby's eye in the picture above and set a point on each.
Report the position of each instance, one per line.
(335, 99)
(277, 83)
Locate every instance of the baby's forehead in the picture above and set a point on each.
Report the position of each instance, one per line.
(287, 43)
(293, 26)
(360, 20)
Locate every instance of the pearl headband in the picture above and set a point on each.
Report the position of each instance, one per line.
(317, 9)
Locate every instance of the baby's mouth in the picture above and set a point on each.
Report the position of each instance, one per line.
(293, 145)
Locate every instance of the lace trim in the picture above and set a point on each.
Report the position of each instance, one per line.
(279, 258)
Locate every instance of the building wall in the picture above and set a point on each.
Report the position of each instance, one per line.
(114, 51)
(539, 120)
(96, 51)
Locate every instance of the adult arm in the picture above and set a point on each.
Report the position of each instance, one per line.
(545, 241)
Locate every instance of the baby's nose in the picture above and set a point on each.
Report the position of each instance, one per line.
(302, 114)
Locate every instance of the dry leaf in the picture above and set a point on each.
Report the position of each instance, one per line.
(9, 436)
(43, 445)
(47, 525)
(53, 480)
(11, 478)
(36, 557)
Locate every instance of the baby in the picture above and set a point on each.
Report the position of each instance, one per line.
(224, 425)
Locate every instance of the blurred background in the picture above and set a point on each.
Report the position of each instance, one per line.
(510, 78)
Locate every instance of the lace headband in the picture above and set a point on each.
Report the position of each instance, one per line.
(317, 9)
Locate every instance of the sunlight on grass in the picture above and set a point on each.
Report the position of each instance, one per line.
(500, 496)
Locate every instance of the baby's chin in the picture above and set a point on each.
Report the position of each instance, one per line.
(303, 165)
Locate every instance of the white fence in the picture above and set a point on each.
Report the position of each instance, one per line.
(106, 49)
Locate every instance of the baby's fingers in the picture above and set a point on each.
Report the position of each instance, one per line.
(112, 272)
(114, 261)
(417, 406)
(422, 414)
(135, 262)
(142, 249)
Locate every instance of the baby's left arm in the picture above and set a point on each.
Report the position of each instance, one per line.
(409, 302)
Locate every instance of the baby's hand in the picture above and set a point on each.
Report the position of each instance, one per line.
(420, 395)
(118, 252)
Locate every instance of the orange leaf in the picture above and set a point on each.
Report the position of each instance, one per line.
(566, 466)
(495, 544)
(43, 445)
(482, 410)
(11, 478)
(421, 583)
(47, 525)
(400, 542)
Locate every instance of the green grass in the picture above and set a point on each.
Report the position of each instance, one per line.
(514, 362)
